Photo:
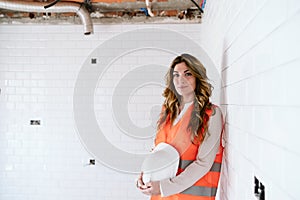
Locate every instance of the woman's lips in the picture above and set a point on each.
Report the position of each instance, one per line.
(182, 87)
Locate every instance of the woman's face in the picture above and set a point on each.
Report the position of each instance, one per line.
(184, 81)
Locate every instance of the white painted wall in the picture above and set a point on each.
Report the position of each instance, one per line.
(254, 45)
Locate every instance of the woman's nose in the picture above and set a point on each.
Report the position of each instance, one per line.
(182, 79)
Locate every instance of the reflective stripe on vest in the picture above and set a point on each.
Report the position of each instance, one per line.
(216, 167)
(201, 191)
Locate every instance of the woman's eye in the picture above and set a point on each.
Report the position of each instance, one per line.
(175, 75)
(188, 74)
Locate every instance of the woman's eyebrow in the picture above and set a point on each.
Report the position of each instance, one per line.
(183, 72)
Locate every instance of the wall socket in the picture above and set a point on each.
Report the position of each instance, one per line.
(35, 122)
(259, 189)
(92, 162)
(94, 60)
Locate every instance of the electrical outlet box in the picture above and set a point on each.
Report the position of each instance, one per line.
(35, 122)
(259, 189)
(92, 162)
(94, 60)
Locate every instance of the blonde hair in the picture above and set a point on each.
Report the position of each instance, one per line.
(203, 90)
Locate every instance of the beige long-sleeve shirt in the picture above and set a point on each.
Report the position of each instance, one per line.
(204, 161)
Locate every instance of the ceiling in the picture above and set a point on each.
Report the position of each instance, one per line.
(107, 11)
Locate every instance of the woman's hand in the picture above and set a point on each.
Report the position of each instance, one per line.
(151, 188)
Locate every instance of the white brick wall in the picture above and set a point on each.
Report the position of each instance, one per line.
(258, 54)
(39, 65)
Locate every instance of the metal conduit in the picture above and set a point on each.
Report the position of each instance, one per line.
(60, 7)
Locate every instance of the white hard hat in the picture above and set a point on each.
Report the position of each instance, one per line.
(161, 163)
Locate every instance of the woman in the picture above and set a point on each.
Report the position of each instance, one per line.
(193, 125)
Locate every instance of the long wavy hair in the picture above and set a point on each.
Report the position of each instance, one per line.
(198, 123)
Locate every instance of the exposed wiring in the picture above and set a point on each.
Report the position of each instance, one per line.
(51, 4)
(200, 9)
(88, 5)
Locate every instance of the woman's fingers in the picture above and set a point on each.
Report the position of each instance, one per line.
(153, 188)
(140, 182)
(147, 191)
(149, 188)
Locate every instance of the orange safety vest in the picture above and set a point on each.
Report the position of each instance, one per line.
(206, 187)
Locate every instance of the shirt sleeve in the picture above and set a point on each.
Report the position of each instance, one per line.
(204, 161)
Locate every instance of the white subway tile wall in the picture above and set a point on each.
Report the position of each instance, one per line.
(253, 43)
(260, 52)
(39, 65)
